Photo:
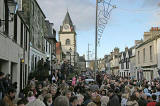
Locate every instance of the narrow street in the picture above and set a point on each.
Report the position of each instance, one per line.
(79, 53)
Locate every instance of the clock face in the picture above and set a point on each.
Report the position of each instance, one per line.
(66, 26)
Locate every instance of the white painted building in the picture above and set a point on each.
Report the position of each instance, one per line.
(124, 63)
(147, 55)
(47, 49)
(14, 49)
(127, 63)
(35, 56)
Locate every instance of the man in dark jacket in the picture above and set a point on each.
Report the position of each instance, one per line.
(64, 70)
(113, 99)
(9, 98)
(2, 88)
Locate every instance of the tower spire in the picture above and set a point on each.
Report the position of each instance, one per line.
(67, 19)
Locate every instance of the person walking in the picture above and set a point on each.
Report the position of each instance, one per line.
(74, 81)
(8, 99)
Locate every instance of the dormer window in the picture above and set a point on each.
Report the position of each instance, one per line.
(68, 42)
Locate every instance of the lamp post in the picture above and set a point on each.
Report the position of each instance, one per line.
(103, 10)
(70, 51)
(12, 7)
(95, 63)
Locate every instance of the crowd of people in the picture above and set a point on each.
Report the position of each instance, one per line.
(107, 90)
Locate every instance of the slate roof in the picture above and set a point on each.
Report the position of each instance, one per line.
(124, 55)
(67, 19)
(148, 41)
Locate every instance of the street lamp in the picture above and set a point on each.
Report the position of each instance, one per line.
(12, 7)
(103, 10)
(70, 51)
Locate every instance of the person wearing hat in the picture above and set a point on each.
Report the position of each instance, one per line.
(8, 99)
(30, 96)
(2, 88)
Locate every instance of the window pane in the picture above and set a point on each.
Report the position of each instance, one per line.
(67, 42)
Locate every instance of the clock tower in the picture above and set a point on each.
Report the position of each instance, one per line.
(67, 37)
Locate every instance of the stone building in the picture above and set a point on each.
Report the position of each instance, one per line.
(50, 43)
(147, 55)
(67, 37)
(102, 64)
(92, 65)
(40, 30)
(37, 31)
(114, 62)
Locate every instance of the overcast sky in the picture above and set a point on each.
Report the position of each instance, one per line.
(82, 12)
(128, 21)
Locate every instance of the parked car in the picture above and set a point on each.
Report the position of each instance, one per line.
(87, 81)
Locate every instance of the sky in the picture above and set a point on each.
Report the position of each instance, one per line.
(127, 22)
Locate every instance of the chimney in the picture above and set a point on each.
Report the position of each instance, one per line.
(155, 29)
(147, 35)
(126, 49)
(137, 42)
(116, 50)
(84, 56)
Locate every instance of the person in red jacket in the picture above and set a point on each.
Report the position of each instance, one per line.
(153, 102)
